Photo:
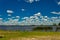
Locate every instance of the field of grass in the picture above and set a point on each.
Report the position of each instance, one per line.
(7, 35)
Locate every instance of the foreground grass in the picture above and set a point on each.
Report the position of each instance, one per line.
(13, 34)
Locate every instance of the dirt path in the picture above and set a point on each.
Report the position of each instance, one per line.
(38, 38)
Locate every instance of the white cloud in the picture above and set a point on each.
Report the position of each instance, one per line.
(10, 11)
(18, 17)
(1, 19)
(29, 1)
(38, 14)
(9, 14)
(36, 19)
(55, 12)
(13, 17)
(54, 17)
(9, 18)
(37, 0)
(32, 17)
(16, 20)
(45, 19)
(22, 9)
(11, 22)
(25, 18)
(59, 3)
(45, 16)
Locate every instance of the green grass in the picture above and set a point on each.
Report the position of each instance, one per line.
(12, 34)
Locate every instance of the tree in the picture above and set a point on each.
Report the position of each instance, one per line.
(54, 24)
(37, 29)
(59, 24)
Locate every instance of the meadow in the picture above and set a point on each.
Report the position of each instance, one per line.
(32, 35)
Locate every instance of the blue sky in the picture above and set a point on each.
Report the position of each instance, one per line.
(26, 8)
(43, 6)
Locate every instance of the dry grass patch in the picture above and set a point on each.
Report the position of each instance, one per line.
(37, 38)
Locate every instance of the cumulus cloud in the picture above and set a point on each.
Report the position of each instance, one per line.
(1, 21)
(1, 18)
(55, 12)
(10, 11)
(9, 14)
(37, 14)
(16, 20)
(45, 19)
(13, 17)
(22, 9)
(18, 17)
(29, 1)
(36, 19)
(45, 16)
(25, 18)
(59, 3)
(32, 17)
(37, 0)
(9, 18)
(54, 17)
(11, 22)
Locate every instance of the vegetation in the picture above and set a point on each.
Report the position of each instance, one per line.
(59, 24)
(54, 24)
(37, 29)
(42, 29)
(13, 34)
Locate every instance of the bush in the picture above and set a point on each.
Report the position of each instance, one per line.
(1, 36)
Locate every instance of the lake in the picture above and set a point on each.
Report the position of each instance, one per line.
(26, 28)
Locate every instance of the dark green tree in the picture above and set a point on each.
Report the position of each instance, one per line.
(59, 24)
(54, 24)
(37, 29)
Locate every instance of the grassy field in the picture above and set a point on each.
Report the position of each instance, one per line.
(14, 35)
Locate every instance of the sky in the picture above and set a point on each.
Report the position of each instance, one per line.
(24, 9)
